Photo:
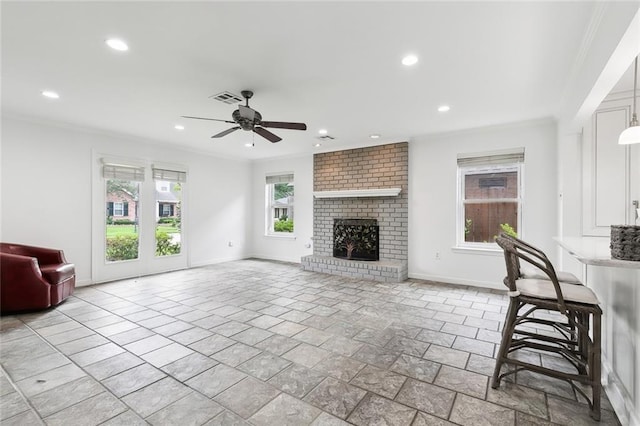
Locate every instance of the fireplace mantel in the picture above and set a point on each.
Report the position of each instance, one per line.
(353, 193)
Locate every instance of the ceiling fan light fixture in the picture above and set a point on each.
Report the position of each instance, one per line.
(631, 134)
(50, 94)
(409, 60)
(117, 44)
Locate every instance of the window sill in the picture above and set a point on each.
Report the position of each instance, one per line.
(286, 236)
(486, 251)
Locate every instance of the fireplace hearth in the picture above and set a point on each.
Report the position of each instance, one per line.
(356, 239)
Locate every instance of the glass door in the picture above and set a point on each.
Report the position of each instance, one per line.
(169, 184)
(138, 226)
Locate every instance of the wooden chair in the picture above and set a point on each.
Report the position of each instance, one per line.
(529, 271)
(575, 341)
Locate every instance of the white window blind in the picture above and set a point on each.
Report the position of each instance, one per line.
(280, 179)
(489, 159)
(169, 175)
(120, 172)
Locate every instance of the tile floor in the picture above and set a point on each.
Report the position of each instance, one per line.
(265, 343)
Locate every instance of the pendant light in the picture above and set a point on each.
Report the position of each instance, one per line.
(632, 133)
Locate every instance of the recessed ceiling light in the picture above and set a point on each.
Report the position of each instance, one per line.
(444, 108)
(50, 94)
(317, 145)
(323, 131)
(375, 136)
(178, 127)
(117, 44)
(248, 145)
(410, 60)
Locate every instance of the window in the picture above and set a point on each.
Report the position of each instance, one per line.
(166, 210)
(169, 185)
(122, 189)
(118, 209)
(279, 204)
(490, 197)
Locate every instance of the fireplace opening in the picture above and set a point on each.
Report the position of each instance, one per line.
(355, 239)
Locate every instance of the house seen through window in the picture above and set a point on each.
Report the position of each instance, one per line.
(168, 191)
(490, 197)
(122, 209)
(279, 191)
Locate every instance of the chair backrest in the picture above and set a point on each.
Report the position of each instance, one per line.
(516, 250)
(520, 242)
(511, 262)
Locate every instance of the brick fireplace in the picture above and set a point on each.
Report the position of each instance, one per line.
(362, 184)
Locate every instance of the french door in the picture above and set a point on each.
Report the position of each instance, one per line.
(138, 211)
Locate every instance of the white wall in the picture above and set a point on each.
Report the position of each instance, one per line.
(47, 192)
(283, 248)
(432, 200)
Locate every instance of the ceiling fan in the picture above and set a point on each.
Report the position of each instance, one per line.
(251, 120)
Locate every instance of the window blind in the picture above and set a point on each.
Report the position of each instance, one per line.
(169, 175)
(492, 158)
(280, 178)
(120, 172)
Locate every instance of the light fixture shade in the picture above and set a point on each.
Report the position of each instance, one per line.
(630, 135)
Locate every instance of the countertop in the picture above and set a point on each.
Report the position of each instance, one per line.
(593, 251)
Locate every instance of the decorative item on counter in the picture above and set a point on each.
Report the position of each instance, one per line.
(625, 242)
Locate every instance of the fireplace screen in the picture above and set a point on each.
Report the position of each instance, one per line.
(355, 239)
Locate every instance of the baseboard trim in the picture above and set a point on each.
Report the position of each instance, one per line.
(622, 404)
(216, 261)
(83, 283)
(459, 281)
(276, 258)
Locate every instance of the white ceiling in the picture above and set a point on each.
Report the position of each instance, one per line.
(329, 64)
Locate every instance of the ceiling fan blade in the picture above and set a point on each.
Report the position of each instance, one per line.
(284, 125)
(210, 119)
(226, 132)
(267, 134)
(246, 112)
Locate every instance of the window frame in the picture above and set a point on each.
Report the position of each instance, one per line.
(166, 210)
(133, 176)
(463, 171)
(171, 178)
(121, 209)
(271, 206)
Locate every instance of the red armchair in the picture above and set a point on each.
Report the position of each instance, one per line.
(33, 277)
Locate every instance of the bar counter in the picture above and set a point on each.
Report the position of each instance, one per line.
(617, 285)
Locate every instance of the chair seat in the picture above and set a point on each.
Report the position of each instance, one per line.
(537, 274)
(544, 289)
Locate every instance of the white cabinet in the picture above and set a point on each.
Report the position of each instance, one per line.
(611, 172)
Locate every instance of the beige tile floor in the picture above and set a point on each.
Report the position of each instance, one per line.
(265, 343)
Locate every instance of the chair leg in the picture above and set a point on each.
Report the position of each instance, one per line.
(582, 336)
(595, 367)
(507, 335)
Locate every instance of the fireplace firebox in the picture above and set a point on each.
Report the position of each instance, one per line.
(356, 239)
